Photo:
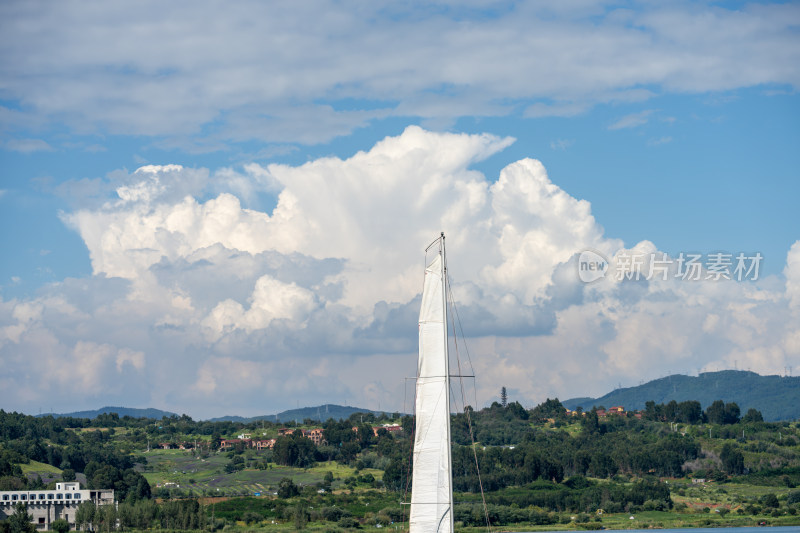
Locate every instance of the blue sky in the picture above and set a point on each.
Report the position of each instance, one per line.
(670, 128)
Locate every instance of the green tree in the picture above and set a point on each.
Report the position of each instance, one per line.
(103, 477)
(349, 451)
(105, 518)
(732, 413)
(690, 412)
(394, 476)
(327, 481)
(20, 521)
(591, 422)
(142, 489)
(671, 411)
(284, 452)
(550, 408)
(366, 437)
(715, 413)
(84, 516)
(515, 409)
(294, 450)
(145, 514)
(652, 411)
(300, 517)
(287, 488)
(732, 459)
(752, 415)
(60, 526)
(770, 500)
(602, 466)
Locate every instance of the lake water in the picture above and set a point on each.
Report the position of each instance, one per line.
(754, 529)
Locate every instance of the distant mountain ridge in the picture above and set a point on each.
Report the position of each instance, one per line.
(320, 413)
(121, 411)
(777, 397)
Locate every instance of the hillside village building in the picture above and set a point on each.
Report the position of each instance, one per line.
(47, 505)
(390, 428)
(258, 444)
(315, 435)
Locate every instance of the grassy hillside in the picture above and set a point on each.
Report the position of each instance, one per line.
(778, 398)
(205, 476)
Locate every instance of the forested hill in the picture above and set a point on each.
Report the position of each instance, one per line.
(121, 411)
(778, 398)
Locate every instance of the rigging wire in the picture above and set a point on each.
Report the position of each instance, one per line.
(410, 444)
(453, 317)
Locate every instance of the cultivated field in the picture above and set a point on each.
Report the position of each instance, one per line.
(196, 476)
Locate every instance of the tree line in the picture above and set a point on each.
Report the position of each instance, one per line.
(538, 457)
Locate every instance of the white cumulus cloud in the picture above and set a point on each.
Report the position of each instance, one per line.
(199, 304)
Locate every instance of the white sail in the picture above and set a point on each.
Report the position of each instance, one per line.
(431, 489)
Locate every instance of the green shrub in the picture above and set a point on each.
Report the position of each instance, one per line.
(348, 522)
(655, 505)
(395, 513)
(770, 500)
(332, 514)
(753, 509)
(60, 526)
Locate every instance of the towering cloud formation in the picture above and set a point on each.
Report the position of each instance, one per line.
(198, 304)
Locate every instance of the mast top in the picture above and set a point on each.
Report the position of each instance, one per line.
(436, 241)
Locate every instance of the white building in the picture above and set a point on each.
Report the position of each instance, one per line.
(47, 506)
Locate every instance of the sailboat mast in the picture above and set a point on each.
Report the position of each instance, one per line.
(432, 478)
(447, 375)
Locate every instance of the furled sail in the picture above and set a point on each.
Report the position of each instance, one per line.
(431, 490)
